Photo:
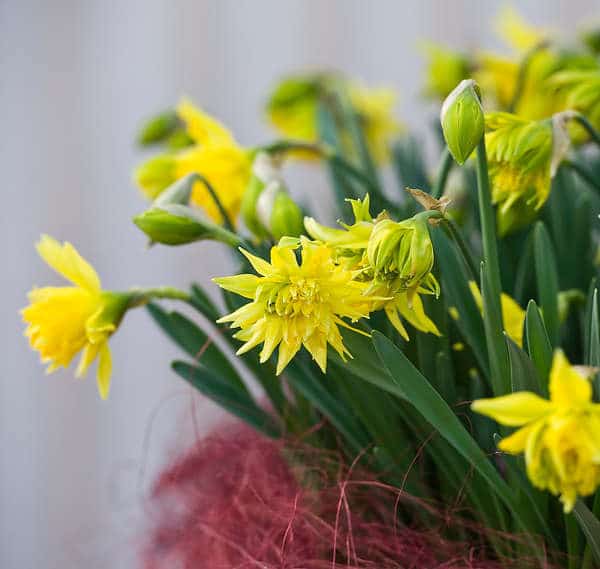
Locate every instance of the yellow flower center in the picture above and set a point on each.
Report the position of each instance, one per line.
(301, 297)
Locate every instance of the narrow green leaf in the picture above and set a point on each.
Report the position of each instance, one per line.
(523, 374)
(202, 302)
(409, 164)
(547, 280)
(303, 379)
(538, 344)
(590, 526)
(594, 333)
(593, 349)
(328, 134)
(455, 286)
(236, 401)
(406, 379)
(195, 342)
(494, 335)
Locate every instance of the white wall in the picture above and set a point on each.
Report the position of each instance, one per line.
(76, 78)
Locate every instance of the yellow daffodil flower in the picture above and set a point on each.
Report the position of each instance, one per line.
(560, 437)
(63, 321)
(214, 154)
(523, 156)
(513, 315)
(296, 304)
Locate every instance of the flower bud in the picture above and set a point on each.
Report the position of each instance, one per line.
(267, 208)
(278, 213)
(171, 221)
(265, 169)
(462, 120)
(401, 250)
(158, 128)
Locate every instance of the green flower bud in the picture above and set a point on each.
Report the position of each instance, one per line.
(154, 175)
(403, 251)
(279, 213)
(171, 221)
(158, 128)
(265, 169)
(462, 120)
(267, 208)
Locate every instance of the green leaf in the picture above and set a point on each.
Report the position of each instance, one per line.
(538, 344)
(405, 379)
(494, 334)
(523, 374)
(194, 342)
(407, 154)
(236, 401)
(202, 302)
(455, 286)
(590, 526)
(328, 134)
(302, 378)
(593, 348)
(547, 280)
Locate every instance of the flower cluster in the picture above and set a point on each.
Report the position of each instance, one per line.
(516, 267)
(373, 264)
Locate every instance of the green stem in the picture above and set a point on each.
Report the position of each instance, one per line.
(142, 296)
(587, 125)
(572, 536)
(446, 163)
(454, 233)
(226, 219)
(583, 174)
(492, 288)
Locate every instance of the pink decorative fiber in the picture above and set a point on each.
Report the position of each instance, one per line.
(233, 501)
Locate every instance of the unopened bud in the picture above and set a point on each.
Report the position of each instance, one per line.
(171, 221)
(278, 212)
(267, 208)
(158, 128)
(462, 120)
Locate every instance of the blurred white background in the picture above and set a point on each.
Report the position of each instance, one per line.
(76, 79)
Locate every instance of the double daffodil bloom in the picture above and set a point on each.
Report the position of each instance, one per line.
(523, 157)
(394, 258)
(296, 304)
(293, 110)
(560, 437)
(214, 154)
(63, 321)
(512, 314)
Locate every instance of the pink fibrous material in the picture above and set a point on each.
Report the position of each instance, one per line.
(234, 501)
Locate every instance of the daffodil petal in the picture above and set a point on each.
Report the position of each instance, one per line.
(567, 387)
(104, 370)
(515, 409)
(66, 261)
